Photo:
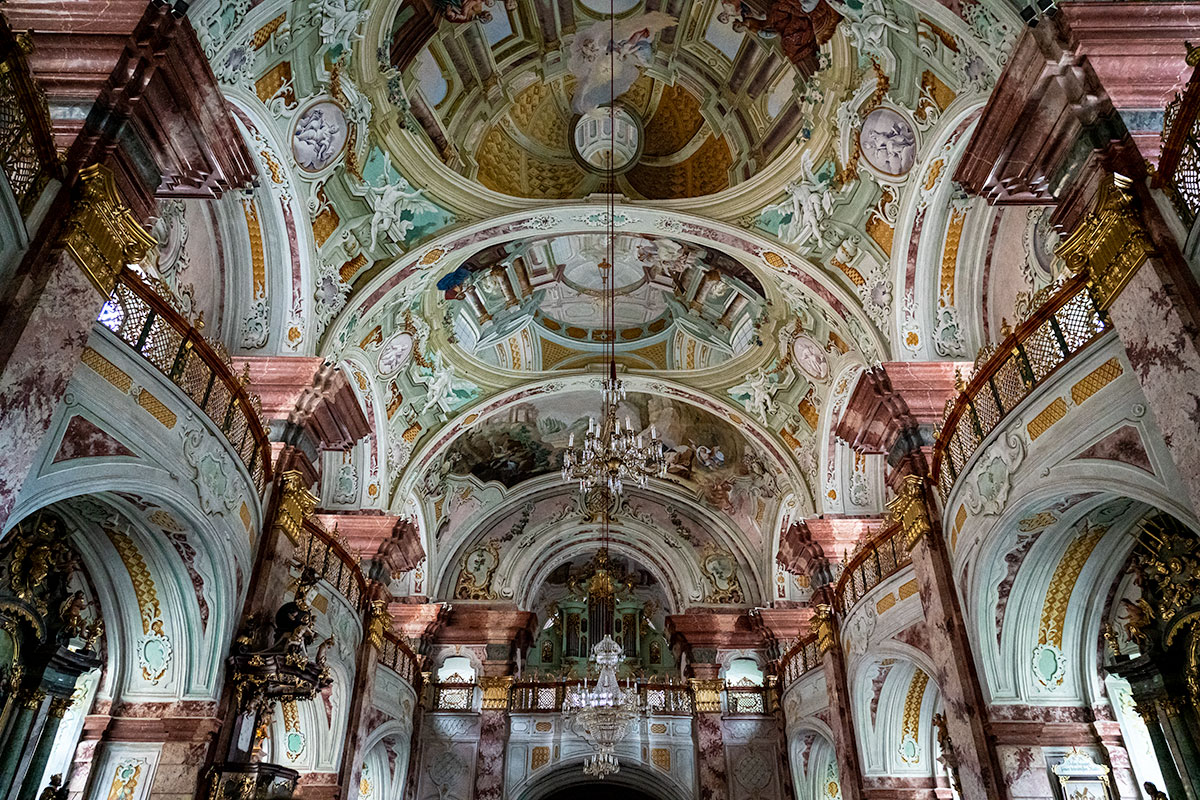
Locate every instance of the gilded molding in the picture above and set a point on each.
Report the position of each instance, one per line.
(1110, 244)
(823, 627)
(296, 504)
(495, 691)
(708, 694)
(102, 233)
(908, 510)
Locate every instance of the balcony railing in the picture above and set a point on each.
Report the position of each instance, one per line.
(151, 326)
(799, 659)
(333, 562)
(452, 696)
(1063, 324)
(877, 561)
(1178, 171)
(399, 657)
(546, 696)
(750, 700)
(26, 142)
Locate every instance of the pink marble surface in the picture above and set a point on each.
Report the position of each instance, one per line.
(36, 375)
(489, 764)
(1164, 351)
(83, 439)
(1124, 445)
(710, 747)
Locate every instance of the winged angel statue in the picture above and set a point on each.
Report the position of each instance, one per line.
(809, 201)
(389, 199)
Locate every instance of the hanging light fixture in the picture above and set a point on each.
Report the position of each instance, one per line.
(603, 714)
(611, 456)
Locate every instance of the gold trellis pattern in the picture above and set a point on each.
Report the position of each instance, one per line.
(911, 723)
(143, 588)
(1047, 417)
(1096, 380)
(1054, 607)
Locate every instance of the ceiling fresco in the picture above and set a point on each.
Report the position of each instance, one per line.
(429, 216)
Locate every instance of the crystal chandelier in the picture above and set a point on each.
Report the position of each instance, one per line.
(611, 455)
(604, 713)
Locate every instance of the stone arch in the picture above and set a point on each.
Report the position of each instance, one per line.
(813, 761)
(569, 773)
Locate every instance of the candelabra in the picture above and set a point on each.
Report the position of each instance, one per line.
(612, 455)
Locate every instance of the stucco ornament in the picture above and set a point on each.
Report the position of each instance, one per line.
(987, 487)
(390, 198)
(319, 136)
(858, 632)
(867, 27)
(756, 394)
(888, 142)
(809, 202)
(337, 22)
(721, 569)
(214, 475)
(256, 327)
(475, 577)
(1049, 666)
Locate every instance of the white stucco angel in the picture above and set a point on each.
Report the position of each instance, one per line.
(867, 27)
(389, 199)
(756, 395)
(442, 388)
(809, 201)
(338, 21)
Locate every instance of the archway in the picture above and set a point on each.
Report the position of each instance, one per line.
(598, 791)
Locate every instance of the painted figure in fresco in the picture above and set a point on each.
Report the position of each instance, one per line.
(389, 200)
(460, 11)
(339, 21)
(607, 62)
(801, 25)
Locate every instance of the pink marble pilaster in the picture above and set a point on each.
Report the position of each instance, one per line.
(710, 753)
(1162, 342)
(46, 334)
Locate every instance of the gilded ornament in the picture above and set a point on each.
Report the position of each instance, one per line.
(823, 627)
(1111, 242)
(102, 234)
(908, 510)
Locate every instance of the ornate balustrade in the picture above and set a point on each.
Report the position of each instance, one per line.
(160, 333)
(1178, 171)
(399, 657)
(800, 658)
(26, 142)
(750, 700)
(1064, 323)
(877, 561)
(333, 562)
(546, 696)
(452, 696)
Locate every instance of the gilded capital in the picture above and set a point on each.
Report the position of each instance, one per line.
(495, 691)
(824, 627)
(59, 706)
(707, 692)
(102, 235)
(908, 510)
(296, 504)
(1111, 243)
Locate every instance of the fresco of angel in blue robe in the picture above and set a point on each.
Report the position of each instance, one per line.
(601, 79)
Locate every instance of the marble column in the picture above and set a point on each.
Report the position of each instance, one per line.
(14, 745)
(954, 662)
(1148, 710)
(493, 737)
(710, 738)
(47, 315)
(841, 713)
(44, 338)
(1162, 342)
(358, 721)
